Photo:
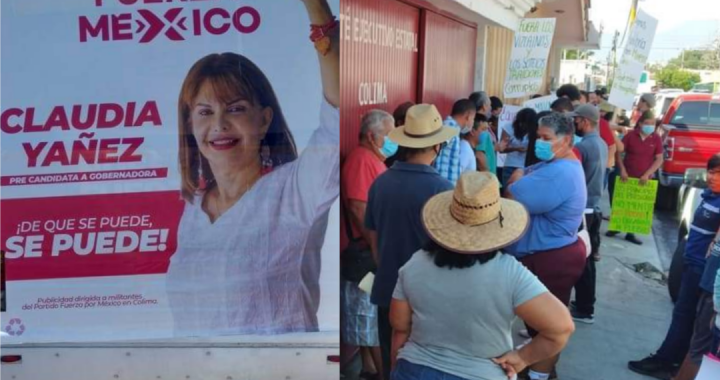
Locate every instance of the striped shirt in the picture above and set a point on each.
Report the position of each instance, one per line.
(448, 161)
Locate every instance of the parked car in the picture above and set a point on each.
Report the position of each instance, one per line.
(691, 129)
(694, 183)
(663, 100)
(706, 88)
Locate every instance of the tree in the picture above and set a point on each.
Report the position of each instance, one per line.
(698, 59)
(654, 68)
(571, 54)
(673, 77)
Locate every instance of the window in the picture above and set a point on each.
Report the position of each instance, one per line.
(714, 114)
(692, 113)
(667, 101)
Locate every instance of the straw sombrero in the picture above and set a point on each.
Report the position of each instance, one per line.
(473, 218)
(423, 128)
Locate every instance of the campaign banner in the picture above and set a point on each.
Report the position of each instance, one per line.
(529, 57)
(633, 206)
(540, 104)
(168, 169)
(632, 62)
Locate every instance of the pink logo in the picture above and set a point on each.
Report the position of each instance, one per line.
(15, 327)
(156, 25)
(177, 24)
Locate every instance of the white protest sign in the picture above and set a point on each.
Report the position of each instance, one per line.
(710, 369)
(505, 125)
(529, 57)
(634, 57)
(540, 104)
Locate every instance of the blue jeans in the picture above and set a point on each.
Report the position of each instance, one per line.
(677, 341)
(404, 370)
(716, 342)
(611, 178)
(506, 174)
(607, 177)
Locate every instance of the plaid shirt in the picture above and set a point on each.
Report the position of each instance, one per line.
(448, 162)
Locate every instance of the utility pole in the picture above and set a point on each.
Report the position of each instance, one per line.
(682, 59)
(612, 58)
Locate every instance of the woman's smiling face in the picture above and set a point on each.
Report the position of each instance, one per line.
(228, 132)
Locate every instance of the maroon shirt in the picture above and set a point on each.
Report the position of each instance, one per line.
(640, 154)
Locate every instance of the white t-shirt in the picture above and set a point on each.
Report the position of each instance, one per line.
(467, 157)
(500, 156)
(256, 269)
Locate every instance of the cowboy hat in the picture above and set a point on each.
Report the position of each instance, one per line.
(423, 128)
(473, 218)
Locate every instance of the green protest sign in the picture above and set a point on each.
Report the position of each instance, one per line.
(632, 208)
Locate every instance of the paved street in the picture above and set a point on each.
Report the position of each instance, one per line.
(665, 230)
(632, 312)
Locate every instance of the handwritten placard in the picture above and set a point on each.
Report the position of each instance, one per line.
(529, 57)
(632, 63)
(541, 104)
(633, 205)
(507, 117)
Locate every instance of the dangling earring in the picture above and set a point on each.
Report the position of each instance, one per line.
(265, 160)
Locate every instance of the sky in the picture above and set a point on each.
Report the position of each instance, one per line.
(681, 24)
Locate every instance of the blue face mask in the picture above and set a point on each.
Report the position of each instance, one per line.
(389, 148)
(648, 129)
(576, 139)
(543, 150)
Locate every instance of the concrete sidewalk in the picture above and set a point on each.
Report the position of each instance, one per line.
(632, 315)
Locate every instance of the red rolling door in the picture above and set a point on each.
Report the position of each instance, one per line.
(448, 62)
(379, 60)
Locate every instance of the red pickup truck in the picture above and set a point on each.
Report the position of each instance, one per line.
(692, 136)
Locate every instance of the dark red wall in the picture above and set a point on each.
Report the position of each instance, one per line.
(365, 63)
(448, 64)
(435, 65)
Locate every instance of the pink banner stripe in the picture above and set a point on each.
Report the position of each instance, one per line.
(110, 175)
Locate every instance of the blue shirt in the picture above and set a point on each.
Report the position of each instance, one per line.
(394, 211)
(555, 195)
(448, 161)
(704, 226)
(707, 282)
(594, 152)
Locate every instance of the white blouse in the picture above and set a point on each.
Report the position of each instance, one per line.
(256, 269)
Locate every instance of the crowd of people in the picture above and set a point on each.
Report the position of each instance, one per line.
(467, 226)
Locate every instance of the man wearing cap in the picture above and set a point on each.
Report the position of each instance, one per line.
(594, 156)
(395, 202)
(646, 103)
